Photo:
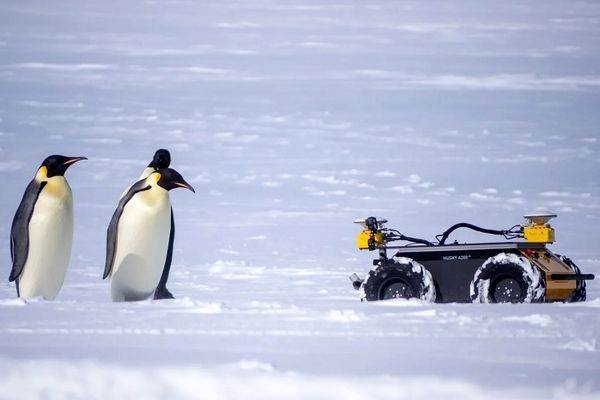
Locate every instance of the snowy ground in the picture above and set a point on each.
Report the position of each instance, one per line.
(291, 119)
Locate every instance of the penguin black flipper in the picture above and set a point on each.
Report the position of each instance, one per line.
(111, 234)
(19, 232)
(161, 291)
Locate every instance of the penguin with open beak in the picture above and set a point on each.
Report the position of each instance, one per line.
(138, 236)
(42, 231)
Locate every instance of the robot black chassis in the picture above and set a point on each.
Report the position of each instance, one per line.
(512, 271)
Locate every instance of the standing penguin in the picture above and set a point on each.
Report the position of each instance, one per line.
(42, 231)
(161, 160)
(138, 236)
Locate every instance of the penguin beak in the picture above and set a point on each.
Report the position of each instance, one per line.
(73, 160)
(185, 185)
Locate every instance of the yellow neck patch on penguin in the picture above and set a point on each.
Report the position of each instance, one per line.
(41, 174)
(154, 178)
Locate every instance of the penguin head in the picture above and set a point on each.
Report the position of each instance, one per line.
(161, 159)
(169, 179)
(57, 165)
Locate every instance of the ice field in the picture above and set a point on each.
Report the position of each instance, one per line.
(291, 119)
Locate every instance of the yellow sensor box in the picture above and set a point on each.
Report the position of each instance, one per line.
(362, 240)
(539, 233)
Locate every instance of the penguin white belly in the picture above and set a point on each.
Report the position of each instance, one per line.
(141, 249)
(50, 239)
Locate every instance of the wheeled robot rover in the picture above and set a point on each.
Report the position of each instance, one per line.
(514, 271)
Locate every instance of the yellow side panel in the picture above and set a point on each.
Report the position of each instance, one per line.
(550, 264)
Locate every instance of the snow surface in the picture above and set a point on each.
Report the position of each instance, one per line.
(291, 119)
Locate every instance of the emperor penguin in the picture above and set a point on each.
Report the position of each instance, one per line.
(42, 231)
(138, 236)
(161, 160)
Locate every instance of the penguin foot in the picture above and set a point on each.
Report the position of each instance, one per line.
(163, 293)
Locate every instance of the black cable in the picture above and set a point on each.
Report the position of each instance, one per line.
(447, 233)
(396, 235)
(416, 240)
(514, 232)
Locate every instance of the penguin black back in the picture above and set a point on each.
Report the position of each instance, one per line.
(19, 232)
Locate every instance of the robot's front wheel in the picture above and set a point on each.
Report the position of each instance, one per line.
(399, 278)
